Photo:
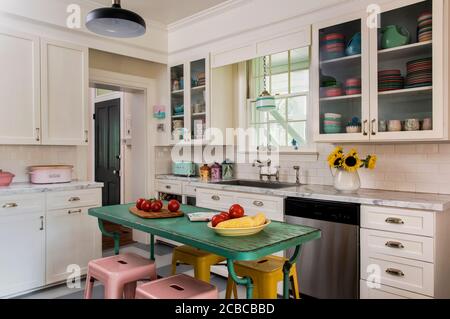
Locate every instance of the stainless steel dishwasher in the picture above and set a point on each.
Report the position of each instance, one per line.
(328, 268)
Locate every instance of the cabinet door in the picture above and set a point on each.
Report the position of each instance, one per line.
(178, 124)
(64, 83)
(73, 238)
(22, 242)
(20, 88)
(407, 72)
(340, 94)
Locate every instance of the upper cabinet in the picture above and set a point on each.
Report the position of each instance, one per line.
(64, 84)
(20, 88)
(44, 91)
(382, 82)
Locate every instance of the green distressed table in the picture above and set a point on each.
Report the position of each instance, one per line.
(275, 238)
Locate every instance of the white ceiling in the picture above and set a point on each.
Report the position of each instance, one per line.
(164, 11)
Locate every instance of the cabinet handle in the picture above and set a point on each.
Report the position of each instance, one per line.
(374, 121)
(395, 244)
(168, 187)
(394, 220)
(86, 135)
(10, 205)
(395, 272)
(215, 197)
(258, 203)
(74, 199)
(365, 128)
(38, 134)
(42, 223)
(78, 211)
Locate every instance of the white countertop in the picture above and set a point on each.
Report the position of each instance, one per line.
(422, 201)
(26, 188)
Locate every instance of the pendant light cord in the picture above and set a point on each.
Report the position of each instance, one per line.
(265, 73)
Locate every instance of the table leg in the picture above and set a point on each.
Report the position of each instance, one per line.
(152, 247)
(247, 281)
(115, 236)
(287, 269)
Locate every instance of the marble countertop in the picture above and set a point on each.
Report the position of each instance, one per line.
(431, 202)
(26, 188)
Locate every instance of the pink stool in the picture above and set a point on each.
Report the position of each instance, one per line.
(119, 274)
(177, 287)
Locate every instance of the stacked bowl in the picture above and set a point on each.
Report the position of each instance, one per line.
(333, 46)
(332, 123)
(420, 73)
(425, 27)
(353, 86)
(390, 80)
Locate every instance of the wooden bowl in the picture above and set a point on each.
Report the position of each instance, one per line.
(239, 232)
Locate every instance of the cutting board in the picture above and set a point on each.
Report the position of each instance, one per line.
(164, 213)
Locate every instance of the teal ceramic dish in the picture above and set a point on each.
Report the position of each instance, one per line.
(354, 46)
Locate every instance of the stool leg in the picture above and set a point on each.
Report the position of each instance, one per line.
(89, 286)
(113, 291)
(266, 288)
(231, 285)
(294, 285)
(235, 293)
(129, 290)
(174, 264)
(202, 272)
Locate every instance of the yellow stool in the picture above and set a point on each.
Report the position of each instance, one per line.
(201, 260)
(265, 273)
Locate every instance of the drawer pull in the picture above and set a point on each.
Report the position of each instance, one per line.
(395, 272)
(258, 203)
(395, 244)
(10, 205)
(168, 187)
(215, 197)
(78, 211)
(42, 223)
(394, 220)
(74, 199)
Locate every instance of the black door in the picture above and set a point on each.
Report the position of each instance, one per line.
(107, 149)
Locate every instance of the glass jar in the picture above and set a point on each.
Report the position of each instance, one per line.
(205, 173)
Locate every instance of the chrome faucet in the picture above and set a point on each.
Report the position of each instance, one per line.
(297, 175)
(268, 173)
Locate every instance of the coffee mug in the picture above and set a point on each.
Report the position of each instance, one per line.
(427, 124)
(394, 126)
(412, 125)
(382, 126)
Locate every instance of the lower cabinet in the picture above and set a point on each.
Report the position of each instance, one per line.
(385, 292)
(72, 239)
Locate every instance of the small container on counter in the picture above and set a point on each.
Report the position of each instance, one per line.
(6, 178)
(205, 173)
(227, 169)
(216, 172)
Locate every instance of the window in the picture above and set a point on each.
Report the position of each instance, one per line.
(288, 79)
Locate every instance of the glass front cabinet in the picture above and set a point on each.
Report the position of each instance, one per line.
(189, 101)
(382, 79)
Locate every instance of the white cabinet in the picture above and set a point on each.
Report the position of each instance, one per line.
(64, 83)
(20, 88)
(22, 243)
(73, 237)
(385, 92)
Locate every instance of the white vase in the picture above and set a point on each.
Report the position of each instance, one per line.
(348, 182)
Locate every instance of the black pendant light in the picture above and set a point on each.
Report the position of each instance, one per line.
(115, 22)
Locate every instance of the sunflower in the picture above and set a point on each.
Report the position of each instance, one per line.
(336, 160)
(371, 162)
(337, 151)
(351, 163)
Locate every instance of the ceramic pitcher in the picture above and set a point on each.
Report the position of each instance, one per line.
(395, 36)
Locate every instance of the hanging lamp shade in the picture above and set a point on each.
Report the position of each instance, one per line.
(115, 22)
(265, 102)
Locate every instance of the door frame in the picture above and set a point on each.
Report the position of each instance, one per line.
(128, 82)
(104, 98)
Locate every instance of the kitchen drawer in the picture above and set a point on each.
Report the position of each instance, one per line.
(189, 190)
(169, 187)
(386, 292)
(271, 206)
(22, 203)
(396, 244)
(412, 275)
(211, 199)
(72, 199)
(406, 221)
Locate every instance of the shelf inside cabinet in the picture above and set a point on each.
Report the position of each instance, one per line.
(178, 116)
(343, 97)
(178, 92)
(199, 114)
(346, 59)
(407, 51)
(198, 88)
(413, 91)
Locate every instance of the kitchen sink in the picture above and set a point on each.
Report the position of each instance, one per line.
(260, 184)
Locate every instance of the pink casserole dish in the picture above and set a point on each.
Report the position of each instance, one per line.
(6, 178)
(50, 174)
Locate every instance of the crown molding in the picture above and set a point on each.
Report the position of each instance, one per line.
(207, 13)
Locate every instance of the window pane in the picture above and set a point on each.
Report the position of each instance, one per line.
(297, 108)
(300, 59)
(280, 84)
(278, 115)
(297, 131)
(300, 81)
(261, 134)
(277, 135)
